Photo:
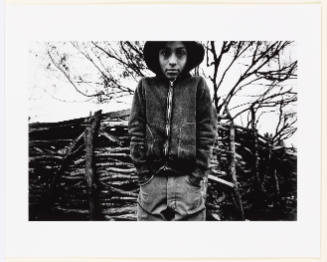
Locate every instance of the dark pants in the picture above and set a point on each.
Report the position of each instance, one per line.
(167, 197)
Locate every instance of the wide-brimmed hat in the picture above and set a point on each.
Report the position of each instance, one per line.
(195, 54)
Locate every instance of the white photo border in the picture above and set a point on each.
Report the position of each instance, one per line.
(32, 240)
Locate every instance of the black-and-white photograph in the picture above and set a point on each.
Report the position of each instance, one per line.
(162, 131)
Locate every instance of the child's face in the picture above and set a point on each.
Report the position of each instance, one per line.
(172, 59)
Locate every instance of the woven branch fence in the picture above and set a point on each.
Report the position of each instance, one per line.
(81, 170)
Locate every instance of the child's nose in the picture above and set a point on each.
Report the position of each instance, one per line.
(172, 60)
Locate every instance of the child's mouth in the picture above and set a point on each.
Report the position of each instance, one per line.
(172, 71)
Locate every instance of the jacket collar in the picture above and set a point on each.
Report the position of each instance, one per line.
(181, 77)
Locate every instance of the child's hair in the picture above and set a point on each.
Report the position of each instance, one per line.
(195, 55)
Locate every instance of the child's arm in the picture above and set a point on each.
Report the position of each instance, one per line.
(206, 129)
(136, 129)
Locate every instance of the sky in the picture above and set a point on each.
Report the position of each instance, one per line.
(52, 98)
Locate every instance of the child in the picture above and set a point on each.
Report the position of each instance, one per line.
(172, 129)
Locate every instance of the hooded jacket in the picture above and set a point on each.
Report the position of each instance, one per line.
(172, 125)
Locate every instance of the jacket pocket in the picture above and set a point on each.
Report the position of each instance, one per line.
(187, 141)
(153, 151)
(149, 140)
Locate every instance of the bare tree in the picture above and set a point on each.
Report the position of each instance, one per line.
(111, 64)
(250, 79)
(256, 71)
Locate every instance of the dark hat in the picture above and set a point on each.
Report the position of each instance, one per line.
(195, 54)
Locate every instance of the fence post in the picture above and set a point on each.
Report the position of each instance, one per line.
(232, 168)
(255, 153)
(47, 202)
(91, 133)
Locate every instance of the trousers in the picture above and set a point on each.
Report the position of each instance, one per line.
(167, 197)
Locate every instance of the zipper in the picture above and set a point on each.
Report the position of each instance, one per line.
(168, 120)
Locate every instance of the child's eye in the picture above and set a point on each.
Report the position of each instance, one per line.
(181, 52)
(165, 52)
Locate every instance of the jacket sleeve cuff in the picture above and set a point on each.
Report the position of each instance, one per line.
(142, 170)
(198, 173)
